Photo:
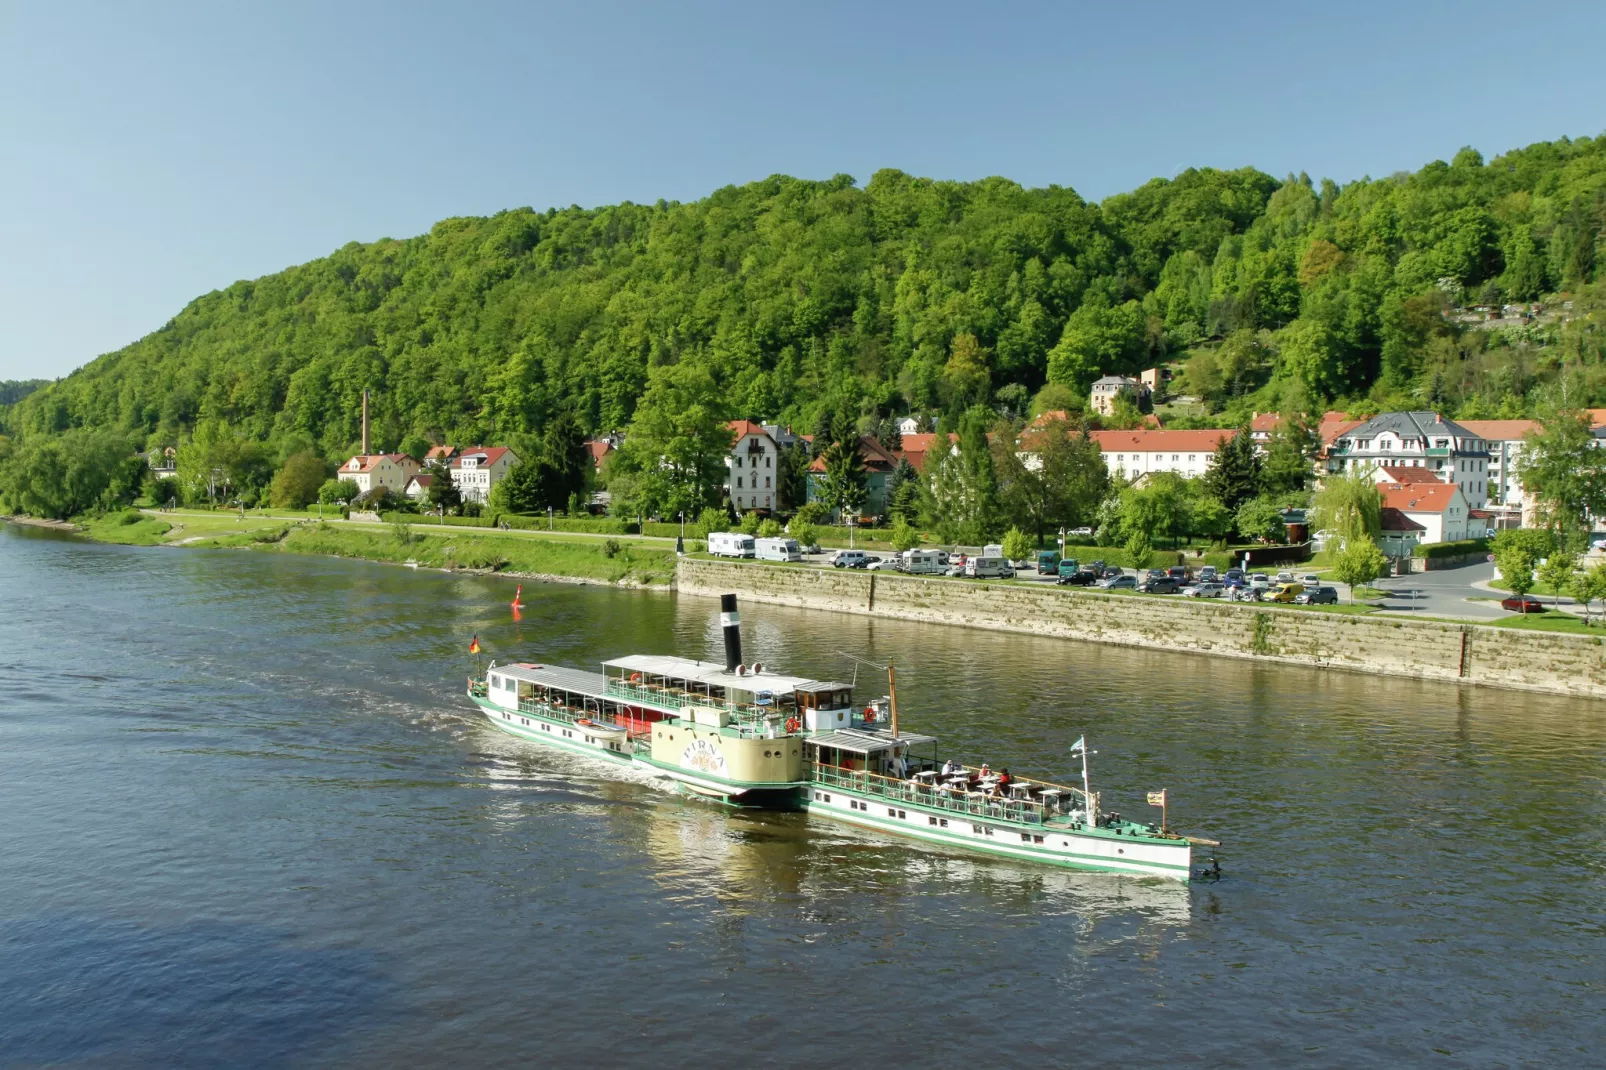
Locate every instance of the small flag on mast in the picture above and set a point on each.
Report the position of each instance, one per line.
(474, 645)
(1157, 798)
(1080, 745)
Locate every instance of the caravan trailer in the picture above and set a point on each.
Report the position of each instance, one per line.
(779, 549)
(923, 562)
(730, 544)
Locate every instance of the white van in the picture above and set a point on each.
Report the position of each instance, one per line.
(780, 549)
(982, 568)
(849, 559)
(924, 562)
(730, 544)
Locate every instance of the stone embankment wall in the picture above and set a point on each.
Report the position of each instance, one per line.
(1500, 657)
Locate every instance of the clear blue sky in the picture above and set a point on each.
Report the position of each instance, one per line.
(151, 152)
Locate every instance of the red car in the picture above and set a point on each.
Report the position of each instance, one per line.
(1522, 605)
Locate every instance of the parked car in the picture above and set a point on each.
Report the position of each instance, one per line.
(1159, 585)
(1206, 589)
(882, 564)
(1232, 574)
(1285, 577)
(1120, 583)
(1286, 592)
(1522, 605)
(1310, 579)
(1077, 579)
(1245, 593)
(1207, 574)
(1318, 596)
(1048, 562)
(849, 559)
(1260, 581)
(1081, 531)
(1067, 567)
(1178, 573)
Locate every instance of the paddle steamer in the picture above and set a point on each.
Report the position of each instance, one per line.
(747, 735)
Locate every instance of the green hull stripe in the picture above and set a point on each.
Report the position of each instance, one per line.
(975, 843)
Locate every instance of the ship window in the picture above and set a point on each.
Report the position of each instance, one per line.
(931, 821)
(1037, 839)
(903, 815)
(1026, 837)
(989, 832)
(976, 830)
(891, 812)
(828, 798)
(943, 822)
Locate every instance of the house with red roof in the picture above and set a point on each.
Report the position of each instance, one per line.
(371, 470)
(752, 468)
(878, 465)
(1135, 453)
(1441, 509)
(1504, 439)
(476, 469)
(417, 487)
(1400, 534)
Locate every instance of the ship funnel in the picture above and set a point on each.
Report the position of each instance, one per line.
(731, 621)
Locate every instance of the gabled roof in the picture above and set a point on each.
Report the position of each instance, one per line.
(1418, 497)
(1397, 473)
(916, 447)
(423, 479)
(1200, 441)
(1394, 520)
(876, 458)
(440, 453)
(487, 455)
(1334, 424)
(1265, 422)
(1116, 380)
(1423, 425)
(599, 448)
(1503, 430)
(742, 428)
(367, 462)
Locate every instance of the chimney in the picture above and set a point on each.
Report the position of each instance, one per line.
(732, 623)
(365, 423)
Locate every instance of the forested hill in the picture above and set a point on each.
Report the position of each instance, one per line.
(805, 297)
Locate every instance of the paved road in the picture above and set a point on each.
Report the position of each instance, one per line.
(1442, 593)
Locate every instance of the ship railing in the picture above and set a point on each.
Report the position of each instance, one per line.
(973, 804)
(752, 718)
(476, 686)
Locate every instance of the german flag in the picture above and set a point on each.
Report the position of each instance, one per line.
(474, 645)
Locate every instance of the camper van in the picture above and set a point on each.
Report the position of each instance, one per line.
(923, 562)
(780, 549)
(982, 568)
(730, 544)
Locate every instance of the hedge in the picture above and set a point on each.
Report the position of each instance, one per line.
(1460, 548)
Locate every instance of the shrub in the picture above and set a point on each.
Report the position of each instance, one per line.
(1459, 548)
(611, 548)
(769, 529)
(904, 536)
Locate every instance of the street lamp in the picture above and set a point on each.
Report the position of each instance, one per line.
(1062, 544)
(680, 540)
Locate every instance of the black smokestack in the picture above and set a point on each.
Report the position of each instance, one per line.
(731, 621)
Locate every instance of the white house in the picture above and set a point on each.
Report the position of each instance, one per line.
(1135, 453)
(1440, 508)
(476, 469)
(388, 470)
(1417, 440)
(751, 473)
(417, 488)
(1504, 441)
(1107, 388)
(908, 426)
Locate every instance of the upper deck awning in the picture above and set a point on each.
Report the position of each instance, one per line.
(714, 674)
(867, 740)
(556, 676)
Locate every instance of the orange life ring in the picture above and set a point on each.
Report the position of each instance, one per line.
(792, 725)
(869, 715)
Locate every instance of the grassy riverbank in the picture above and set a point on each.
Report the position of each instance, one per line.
(625, 560)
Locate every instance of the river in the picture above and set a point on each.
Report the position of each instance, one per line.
(247, 818)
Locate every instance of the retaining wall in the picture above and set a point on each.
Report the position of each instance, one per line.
(1378, 643)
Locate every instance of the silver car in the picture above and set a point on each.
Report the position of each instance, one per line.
(1205, 589)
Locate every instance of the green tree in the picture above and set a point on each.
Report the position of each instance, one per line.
(80, 470)
(1517, 552)
(1589, 587)
(1350, 505)
(1233, 476)
(678, 441)
(965, 378)
(296, 484)
(1017, 545)
(904, 536)
(514, 492)
(903, 492)
(842, 486)
(1359, 563)
(769, 528)
(1561, 467)
(1098, 339)
(710, 520)
(804, 532)
(1288, 465)
(1261, 518)
(1557, 571)
(960, 499)
(1157, 509)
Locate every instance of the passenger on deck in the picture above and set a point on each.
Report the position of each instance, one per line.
(986, 770)
(952, 767)
(1004, 781)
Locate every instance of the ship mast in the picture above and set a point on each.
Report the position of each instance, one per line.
(892, 697)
